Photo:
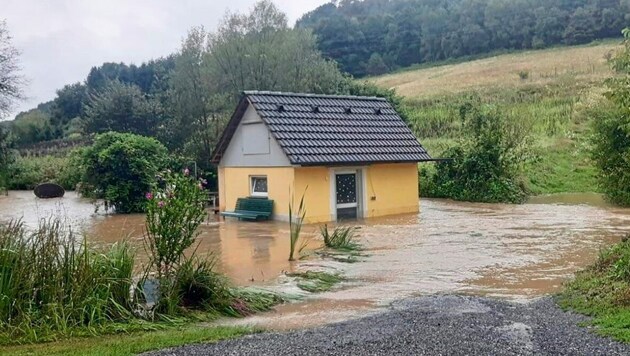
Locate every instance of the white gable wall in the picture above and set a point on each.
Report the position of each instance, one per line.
(253, 145)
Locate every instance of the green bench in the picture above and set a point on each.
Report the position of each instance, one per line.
(251, 209)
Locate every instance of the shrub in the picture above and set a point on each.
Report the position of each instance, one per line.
(523, 74)
(120, 168)
(175, 209)
(485, 165)
(611, 132)
(25, 173)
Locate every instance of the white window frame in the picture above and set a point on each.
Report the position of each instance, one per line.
(251, 187)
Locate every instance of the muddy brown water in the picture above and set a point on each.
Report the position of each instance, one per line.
(507, 251)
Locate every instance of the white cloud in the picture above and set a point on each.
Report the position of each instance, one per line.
(61, 40)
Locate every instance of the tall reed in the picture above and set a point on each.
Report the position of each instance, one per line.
(341, 237)
(296, 220)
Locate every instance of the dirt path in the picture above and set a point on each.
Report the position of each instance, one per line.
(433, 325)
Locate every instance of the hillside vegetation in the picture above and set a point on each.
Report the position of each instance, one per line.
(372, 37)
(577, 64)
(546, 92)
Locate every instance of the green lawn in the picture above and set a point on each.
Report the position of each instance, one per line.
(130, 344)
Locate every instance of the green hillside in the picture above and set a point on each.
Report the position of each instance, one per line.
(547, 92)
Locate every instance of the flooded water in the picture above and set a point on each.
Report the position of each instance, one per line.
(506, 251)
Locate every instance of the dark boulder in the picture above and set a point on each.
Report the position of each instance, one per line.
(49, 190)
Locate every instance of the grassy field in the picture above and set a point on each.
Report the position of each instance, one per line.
(548, 93)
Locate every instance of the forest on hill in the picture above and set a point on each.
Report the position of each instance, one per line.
(372, 37)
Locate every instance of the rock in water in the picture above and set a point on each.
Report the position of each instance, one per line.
(49, 190)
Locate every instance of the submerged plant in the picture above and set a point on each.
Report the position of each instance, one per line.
(341, 237)
(296, 220)
(316, 281)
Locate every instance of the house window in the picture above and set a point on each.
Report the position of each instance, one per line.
(259, 186)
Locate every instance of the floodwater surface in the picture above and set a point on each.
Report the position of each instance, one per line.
(507, 251)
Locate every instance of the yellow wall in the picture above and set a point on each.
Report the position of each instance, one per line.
(390, 189)
(234, 183)
(317, 195)
(394, 188)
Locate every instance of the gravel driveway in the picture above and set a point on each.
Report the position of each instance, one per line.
(433, 325)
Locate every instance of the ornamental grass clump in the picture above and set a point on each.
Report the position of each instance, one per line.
(341, 238)
(52, 283)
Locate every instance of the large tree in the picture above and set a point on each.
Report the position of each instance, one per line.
(122, 108)
(198, 104)
(258, 51)
(11, 81)
(253, 51)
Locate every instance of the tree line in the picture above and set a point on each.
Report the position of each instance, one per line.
(372, 37)
(186, 98)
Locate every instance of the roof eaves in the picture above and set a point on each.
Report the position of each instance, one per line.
(307, 95)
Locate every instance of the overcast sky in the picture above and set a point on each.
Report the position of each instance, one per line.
(61, 40)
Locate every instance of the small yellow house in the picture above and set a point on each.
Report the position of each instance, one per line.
(356, 155)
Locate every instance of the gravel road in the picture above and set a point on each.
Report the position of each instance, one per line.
(433, 325)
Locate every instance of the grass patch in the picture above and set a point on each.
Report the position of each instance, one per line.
(562, 167)
(316, 282)
(131, 343)
(603, 292)
(55, 286)
(341, 238)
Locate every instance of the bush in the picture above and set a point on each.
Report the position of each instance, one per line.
(25, 173)
(120, 168)
(611, 150)
(611, 132)
(523, 74)
(175, 209)
(485, 165)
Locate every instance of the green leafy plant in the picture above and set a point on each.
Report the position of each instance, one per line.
(25, 173)
(341, 237)
(120, 168)
(611, 131)
(486, 164)
(296, 220)
(175, 209)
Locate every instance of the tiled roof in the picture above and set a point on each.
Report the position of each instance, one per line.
(331, 130)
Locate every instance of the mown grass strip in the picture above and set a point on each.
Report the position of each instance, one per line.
(130, 344)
